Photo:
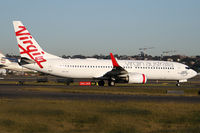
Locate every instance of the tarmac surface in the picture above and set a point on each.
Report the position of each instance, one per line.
(17, 91)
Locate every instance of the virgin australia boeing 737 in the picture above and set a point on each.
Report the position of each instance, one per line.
(122, 71)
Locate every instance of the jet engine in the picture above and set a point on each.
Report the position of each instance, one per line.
(137, 78)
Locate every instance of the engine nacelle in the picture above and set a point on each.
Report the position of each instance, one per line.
(137, 78)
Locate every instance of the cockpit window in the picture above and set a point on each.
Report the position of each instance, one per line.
(187, 67)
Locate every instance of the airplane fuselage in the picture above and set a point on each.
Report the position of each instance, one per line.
(94, 68)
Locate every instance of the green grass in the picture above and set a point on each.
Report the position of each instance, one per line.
(68, 116)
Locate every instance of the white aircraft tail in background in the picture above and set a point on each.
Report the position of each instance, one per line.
(14, 66)
(123, 71)
(4, 60)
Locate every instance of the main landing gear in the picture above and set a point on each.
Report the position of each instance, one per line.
(110, 83)
(101, 83)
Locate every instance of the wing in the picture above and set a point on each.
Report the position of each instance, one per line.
(117, 70)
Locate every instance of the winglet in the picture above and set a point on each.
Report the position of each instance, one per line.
(114, 62)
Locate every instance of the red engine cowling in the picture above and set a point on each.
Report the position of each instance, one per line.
(137, 78)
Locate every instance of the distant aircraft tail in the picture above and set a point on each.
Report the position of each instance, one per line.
(30, 51)
(4, 60)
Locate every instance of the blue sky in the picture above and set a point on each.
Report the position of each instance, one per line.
(91, 27)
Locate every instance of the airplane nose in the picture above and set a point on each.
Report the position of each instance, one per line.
(193, 73)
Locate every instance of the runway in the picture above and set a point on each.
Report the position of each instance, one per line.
(17, 91)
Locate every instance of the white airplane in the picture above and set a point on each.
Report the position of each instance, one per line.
(122, 71)
(14, 66)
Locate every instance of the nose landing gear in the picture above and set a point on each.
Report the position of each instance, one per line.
(178, 83)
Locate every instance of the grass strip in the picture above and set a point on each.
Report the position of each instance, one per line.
(68, 116)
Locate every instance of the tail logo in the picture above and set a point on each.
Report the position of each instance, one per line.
(30, 49)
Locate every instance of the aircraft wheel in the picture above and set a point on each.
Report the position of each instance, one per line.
(178, 84)
(101, 83)
(111, 83)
